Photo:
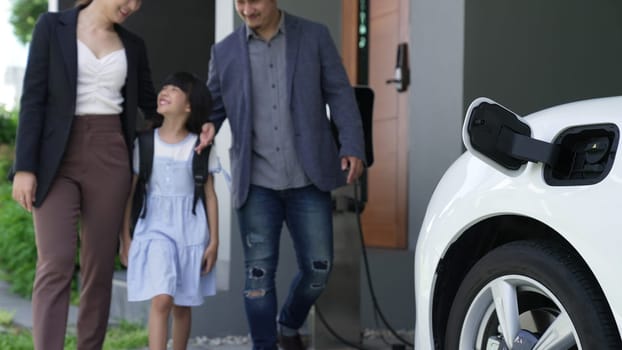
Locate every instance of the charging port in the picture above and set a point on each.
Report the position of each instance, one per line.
(587, 157)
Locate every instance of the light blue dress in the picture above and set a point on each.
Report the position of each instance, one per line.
(168, 243)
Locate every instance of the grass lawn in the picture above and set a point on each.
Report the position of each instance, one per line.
(125, 336)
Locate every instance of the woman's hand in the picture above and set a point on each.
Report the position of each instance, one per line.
(124, 250)
(209, 258)
(24, 187)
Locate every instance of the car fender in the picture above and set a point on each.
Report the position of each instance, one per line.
(475, 188)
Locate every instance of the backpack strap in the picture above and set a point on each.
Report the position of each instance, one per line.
(139, 201)
(200, 172)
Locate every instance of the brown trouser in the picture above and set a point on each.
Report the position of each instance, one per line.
(90, 189)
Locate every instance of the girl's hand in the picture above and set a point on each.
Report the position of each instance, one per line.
(124, 250)
(209, 259)
(24, 187)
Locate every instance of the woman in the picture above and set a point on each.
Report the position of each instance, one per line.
(85, 77)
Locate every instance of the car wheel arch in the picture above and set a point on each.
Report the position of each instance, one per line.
(475, 242)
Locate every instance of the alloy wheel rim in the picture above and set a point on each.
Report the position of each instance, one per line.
(511, 304)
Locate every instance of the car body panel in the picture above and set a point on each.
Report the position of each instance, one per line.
(475, 188)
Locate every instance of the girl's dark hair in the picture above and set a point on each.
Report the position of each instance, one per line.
(198, 95)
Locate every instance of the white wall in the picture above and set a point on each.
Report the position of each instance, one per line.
(224, 26)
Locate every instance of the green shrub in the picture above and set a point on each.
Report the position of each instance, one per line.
(6, 318)
(5, 164)
(24, 14)
(18, 254)
(11, 337)
(8, 126)
(16, 339)
(71, 342)
(8, 130)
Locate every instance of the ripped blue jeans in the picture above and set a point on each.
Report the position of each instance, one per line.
(307, 211)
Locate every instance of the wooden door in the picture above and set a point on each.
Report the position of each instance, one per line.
(385, 216)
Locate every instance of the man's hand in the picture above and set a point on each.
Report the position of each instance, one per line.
(24, 187)
(208, 131)
(354, 167)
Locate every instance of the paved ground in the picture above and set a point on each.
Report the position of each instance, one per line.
(12, 303)
(22, 310)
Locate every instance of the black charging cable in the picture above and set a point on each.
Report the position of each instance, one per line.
(381, 334)
(368, 274)
(372, 293)
(334, 333)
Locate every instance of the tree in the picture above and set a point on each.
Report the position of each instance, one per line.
(24, 14)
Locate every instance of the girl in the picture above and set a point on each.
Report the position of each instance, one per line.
(173, 251)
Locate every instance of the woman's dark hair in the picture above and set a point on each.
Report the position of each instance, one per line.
(198, 95)
(83, 2)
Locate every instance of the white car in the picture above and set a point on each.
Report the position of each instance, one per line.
(521, 245)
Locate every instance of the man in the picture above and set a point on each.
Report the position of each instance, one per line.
(272, 79)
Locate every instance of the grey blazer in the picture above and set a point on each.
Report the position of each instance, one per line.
(315, 77)
(48, 99)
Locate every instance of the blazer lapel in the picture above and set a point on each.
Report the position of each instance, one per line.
(247, 97)
(68, 42)
(246, 64)
(292, 36)
(131, 54)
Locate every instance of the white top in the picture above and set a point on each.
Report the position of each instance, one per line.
(100, 81)
(178, 152)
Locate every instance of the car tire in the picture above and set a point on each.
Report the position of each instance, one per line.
(535, 283)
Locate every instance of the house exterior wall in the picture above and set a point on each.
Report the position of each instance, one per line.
(529, 55)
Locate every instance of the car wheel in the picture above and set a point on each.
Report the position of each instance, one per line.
(530, 295)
